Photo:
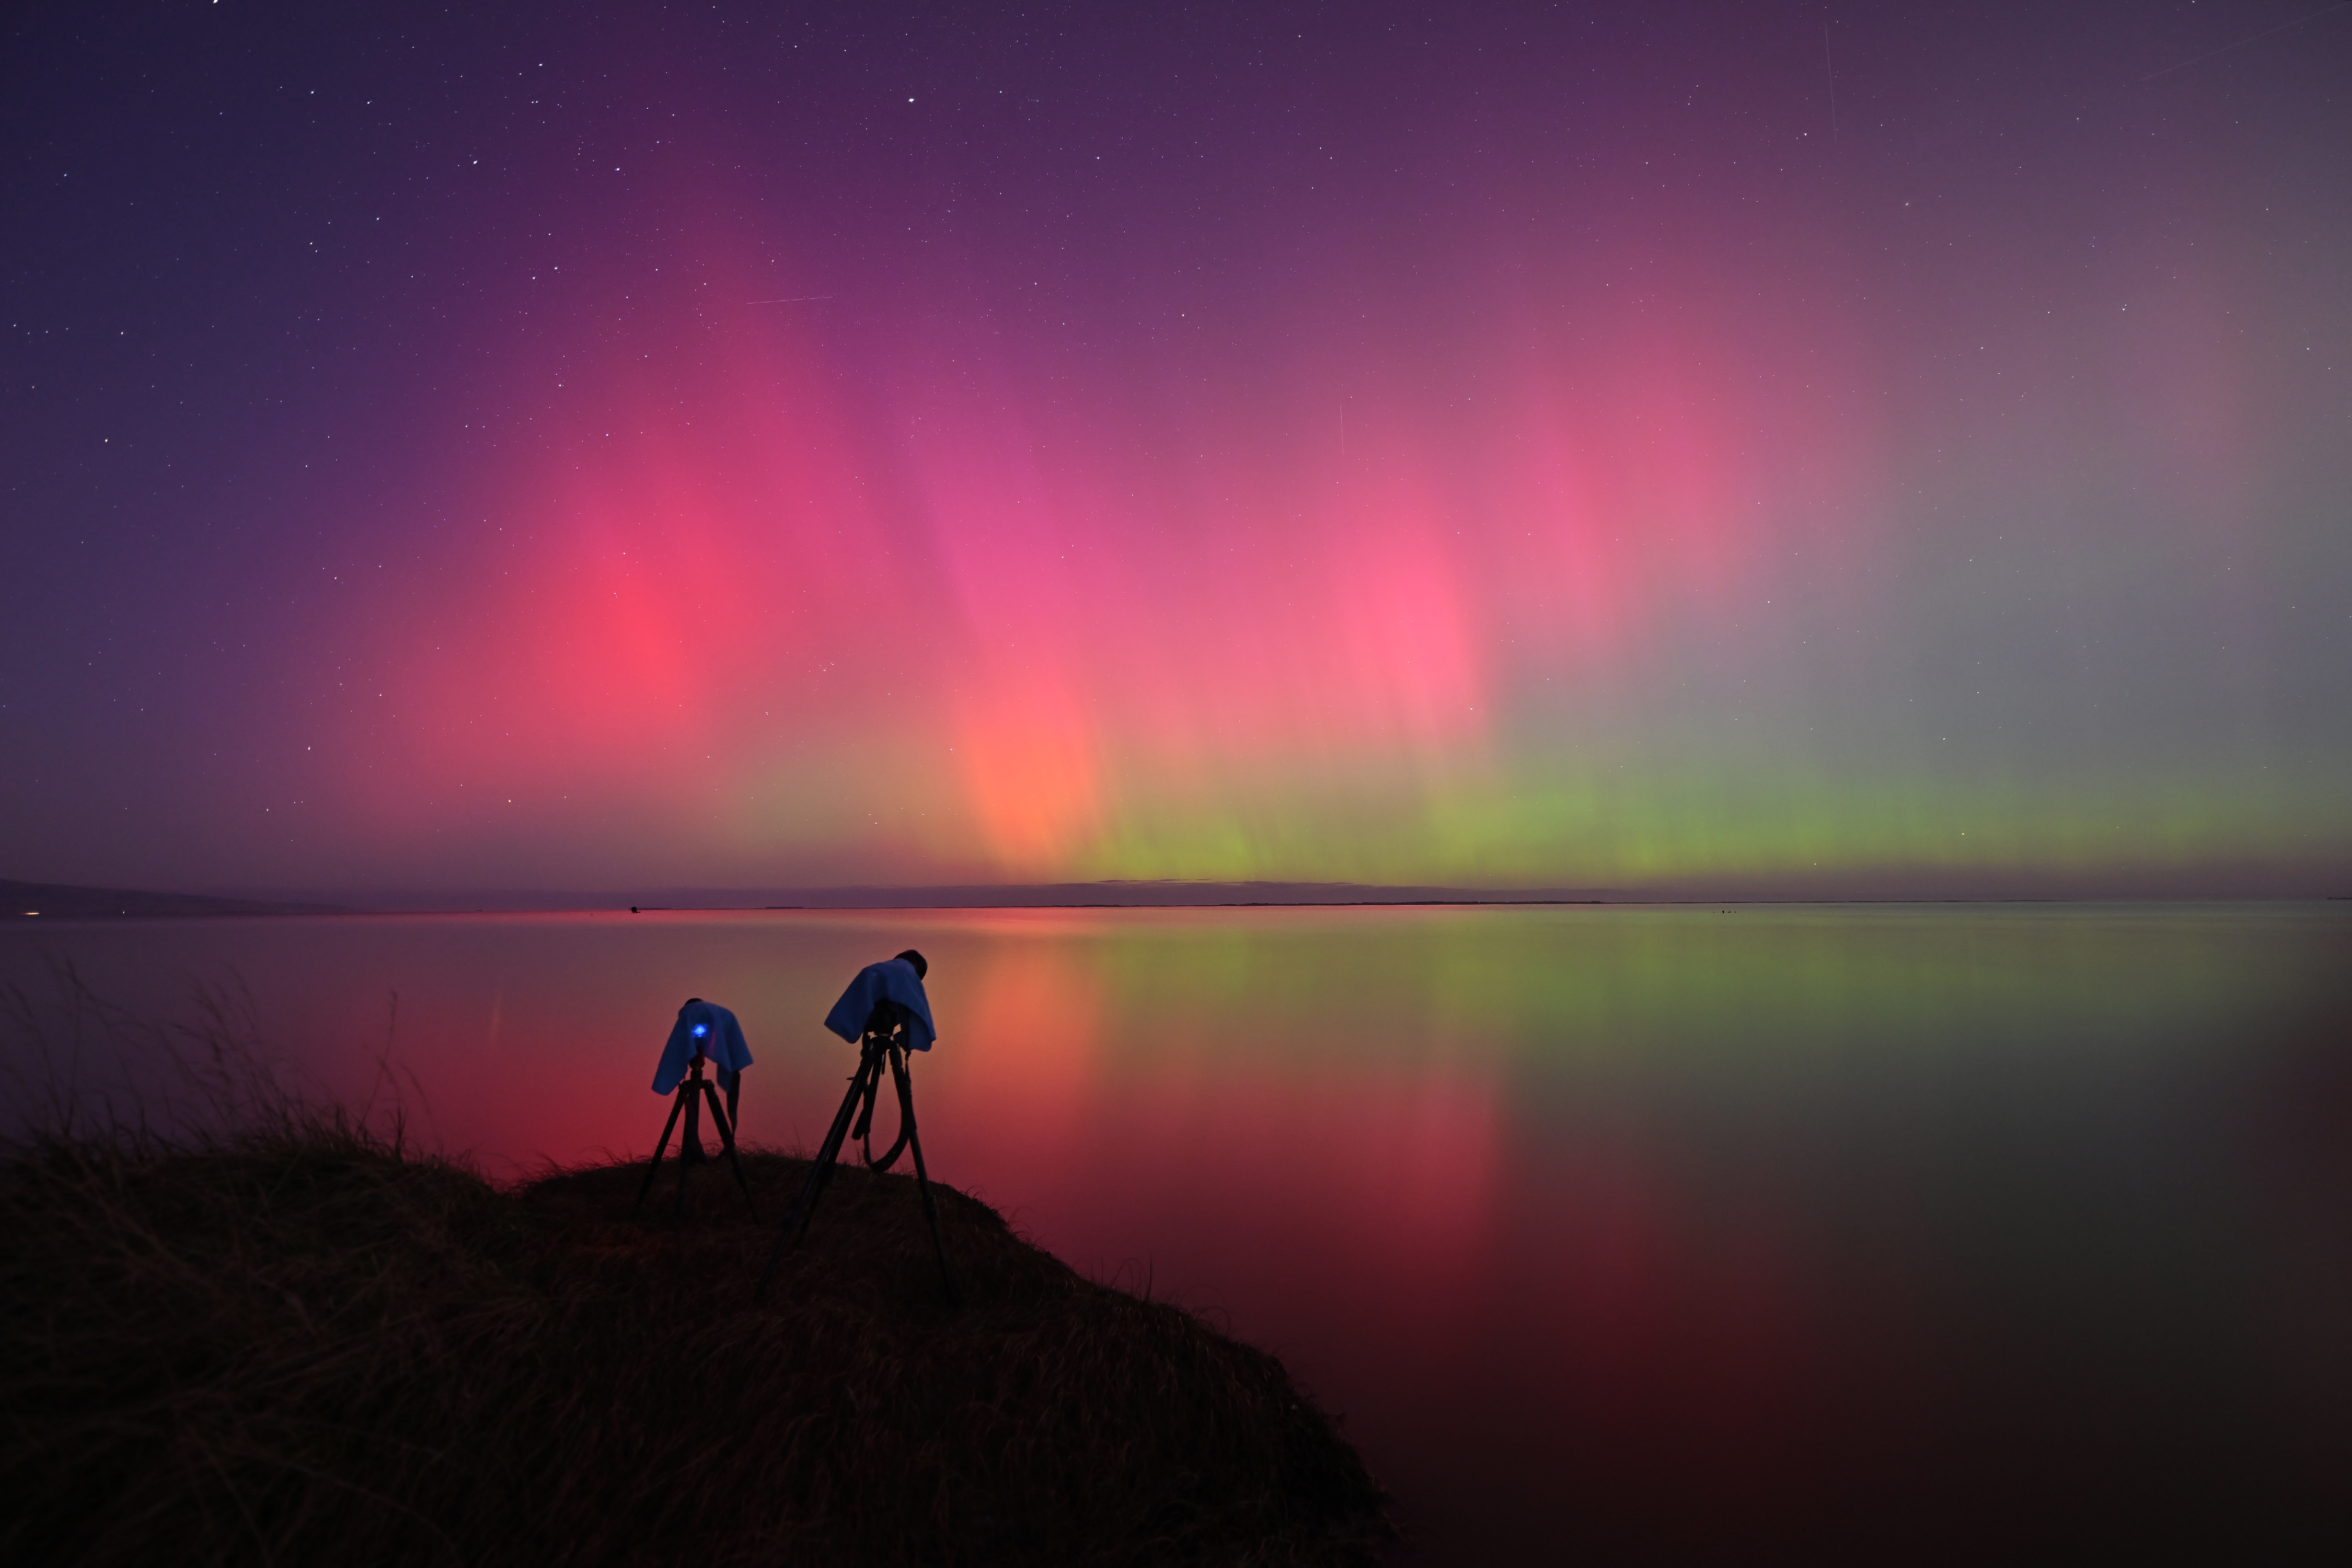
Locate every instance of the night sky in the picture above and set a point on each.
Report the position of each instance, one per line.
(1906, 448)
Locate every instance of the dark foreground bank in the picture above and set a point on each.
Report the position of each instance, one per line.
(310, 1346)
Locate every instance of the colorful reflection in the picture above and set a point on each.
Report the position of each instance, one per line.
(1708, 1226)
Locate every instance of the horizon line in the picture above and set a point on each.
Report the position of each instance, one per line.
(24, 899)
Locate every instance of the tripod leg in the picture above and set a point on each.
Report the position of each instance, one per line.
(689, 1143)
(863, 1130)
(727, 1140)
(676, 1104)
(922, 1173)
(803, 1204)
(796, 1217)
(829, 1156)
(864, 1126)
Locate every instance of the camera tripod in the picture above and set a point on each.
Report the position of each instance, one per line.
(692, 1090)
(884, 1039)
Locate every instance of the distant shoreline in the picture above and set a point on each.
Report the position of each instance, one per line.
(24, 901)
(51, 901)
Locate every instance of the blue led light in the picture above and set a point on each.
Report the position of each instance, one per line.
(700, 1030)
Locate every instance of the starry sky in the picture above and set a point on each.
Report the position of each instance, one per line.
(1903, 449)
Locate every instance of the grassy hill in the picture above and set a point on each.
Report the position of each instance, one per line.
(310, 1344)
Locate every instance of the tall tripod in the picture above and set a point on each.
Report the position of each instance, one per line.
(884, 1039)
(692, 1090)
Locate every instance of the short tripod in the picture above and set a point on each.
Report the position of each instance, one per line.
(692, 1090)
(885, 1038)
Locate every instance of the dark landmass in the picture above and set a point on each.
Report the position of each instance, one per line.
(970, 896)
(1898, 885)
(1171, 895)
(1176, 895)
(55, 902)
(2150, 887)
(50, 900)
(309, 1346)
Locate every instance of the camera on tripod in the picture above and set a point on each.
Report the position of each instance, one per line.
(886, 1013)
(705, 1032)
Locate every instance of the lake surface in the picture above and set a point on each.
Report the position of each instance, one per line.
(1878, 1231)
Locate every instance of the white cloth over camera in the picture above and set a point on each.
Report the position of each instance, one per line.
(893, 980)
(721, 1040)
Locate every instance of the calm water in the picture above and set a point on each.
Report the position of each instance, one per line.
(1884, 1232)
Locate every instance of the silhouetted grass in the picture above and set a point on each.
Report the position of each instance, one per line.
(300, 1341)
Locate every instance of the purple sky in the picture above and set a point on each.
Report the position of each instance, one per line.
(1503, 446)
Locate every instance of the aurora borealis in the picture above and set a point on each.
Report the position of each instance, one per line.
(1502, 447)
